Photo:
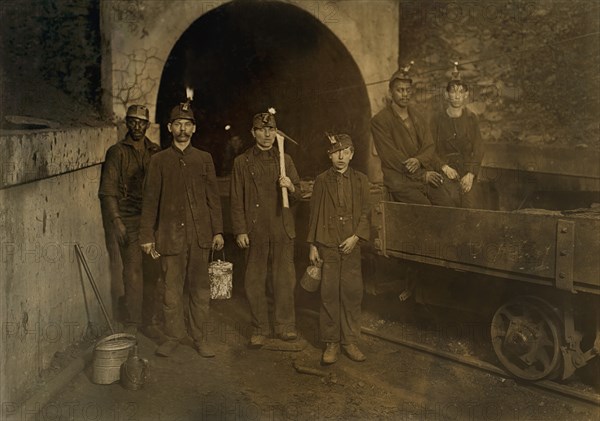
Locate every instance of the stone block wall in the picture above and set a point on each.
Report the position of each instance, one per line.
(533, 65)
(48, 203)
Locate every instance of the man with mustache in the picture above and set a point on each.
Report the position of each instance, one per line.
(120, 195)
(181, 223)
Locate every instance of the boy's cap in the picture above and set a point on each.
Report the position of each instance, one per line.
(339, 142)
(261, 120)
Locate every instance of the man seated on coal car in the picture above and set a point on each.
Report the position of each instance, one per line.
(458, 144)
(404, 144)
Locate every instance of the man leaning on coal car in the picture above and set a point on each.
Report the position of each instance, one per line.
(266, 230)
(120, 195)
(339, 210)
(181, 223)
(403, 141)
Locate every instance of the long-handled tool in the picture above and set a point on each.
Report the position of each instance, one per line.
(81, 256)
(284, 191)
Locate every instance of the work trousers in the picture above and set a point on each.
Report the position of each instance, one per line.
(280, 255)
(470, 200)
(190, 265)
(140, 278)
(341, 295)
(423, 194)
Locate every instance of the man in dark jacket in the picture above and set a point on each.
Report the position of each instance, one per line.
(404, 144)
(266, 229)
(120, 195)
(181, 223)
(339, 211)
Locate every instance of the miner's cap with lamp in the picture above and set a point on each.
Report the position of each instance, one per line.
(339, 142)
(261, 120)
(456, 79)
(402, 74)
(183, 111)
(138, 111)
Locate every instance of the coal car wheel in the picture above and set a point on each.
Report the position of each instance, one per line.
(526, 337)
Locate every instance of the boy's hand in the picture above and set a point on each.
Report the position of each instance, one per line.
(348, 244)
(466, 183)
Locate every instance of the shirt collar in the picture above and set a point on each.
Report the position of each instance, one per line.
(335, 173)
(257, 151)
(396, 109)
(186, 151)
(129, 141)
(148, 144)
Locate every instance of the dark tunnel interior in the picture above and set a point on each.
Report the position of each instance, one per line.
(244, 57)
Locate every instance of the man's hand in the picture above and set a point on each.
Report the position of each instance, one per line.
(149, 248)
(218, 242)
(466, 183)
(313, 256)
(243, 241)
(450, 172)
(287, 183)
(348, 244)
(412, 164)
(120, 231)
(434, 178)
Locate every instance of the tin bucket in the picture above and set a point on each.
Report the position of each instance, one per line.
(220, 276)
(109, 354)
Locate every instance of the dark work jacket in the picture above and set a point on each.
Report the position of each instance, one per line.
(123, 175)
(458, 142)
(173, 178)
(244, 194)
(394, 146)
(322, 226)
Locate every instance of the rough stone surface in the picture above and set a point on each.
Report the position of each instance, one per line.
(47, 302)
(533, 65)
(35, 155)
(56, 41)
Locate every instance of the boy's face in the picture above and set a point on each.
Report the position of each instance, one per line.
(457, 96)
(264, 136)
(341, 159)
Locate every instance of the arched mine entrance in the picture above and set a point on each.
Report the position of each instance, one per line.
(244, 57)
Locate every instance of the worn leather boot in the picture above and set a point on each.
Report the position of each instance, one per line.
(330, 355)
(290, 335)
(355, 354)
(257, 341)
(204, 349)
(166, 349)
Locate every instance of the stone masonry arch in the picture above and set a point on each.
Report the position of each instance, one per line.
(138, 37)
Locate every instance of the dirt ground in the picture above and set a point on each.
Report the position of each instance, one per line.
(244, 384)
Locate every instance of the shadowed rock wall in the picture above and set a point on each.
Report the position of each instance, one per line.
(533, 65)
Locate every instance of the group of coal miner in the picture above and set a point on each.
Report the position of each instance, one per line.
(164, 209)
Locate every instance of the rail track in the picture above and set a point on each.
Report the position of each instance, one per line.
(545, 385)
